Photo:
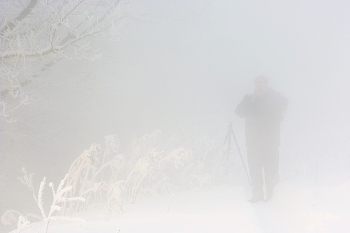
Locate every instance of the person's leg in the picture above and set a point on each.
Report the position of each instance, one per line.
(271, 165)
(255, 170)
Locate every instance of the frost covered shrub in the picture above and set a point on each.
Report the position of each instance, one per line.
(79, 175)
(187, 160)
(58, 200)
(143, 167)
(112, 177)
(200, 156)
(94, 181)
(182, 162)
(150, 167)
(103, 175)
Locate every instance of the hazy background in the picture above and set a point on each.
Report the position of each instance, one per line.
(191, 62)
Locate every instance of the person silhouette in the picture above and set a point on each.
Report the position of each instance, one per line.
(263, 112)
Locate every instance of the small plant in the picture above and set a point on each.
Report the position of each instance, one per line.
(115, 194)
(81, 178)
(93, 181)
(58, 200)
(111, 177)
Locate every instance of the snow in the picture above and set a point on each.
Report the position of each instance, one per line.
(293, 208)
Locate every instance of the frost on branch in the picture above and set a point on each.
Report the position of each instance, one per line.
(148, 169)
(22, 224)
(38, 34)
(27, 179)
(9, 217)
(93, 180)
(81, 178)
(58, 200)
(179, 156)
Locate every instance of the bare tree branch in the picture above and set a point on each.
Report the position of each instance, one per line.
(26, 11)
(47, 32)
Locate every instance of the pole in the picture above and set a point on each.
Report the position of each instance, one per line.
(228, 140)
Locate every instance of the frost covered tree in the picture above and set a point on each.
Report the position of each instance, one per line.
(39, 38)
(39, 34)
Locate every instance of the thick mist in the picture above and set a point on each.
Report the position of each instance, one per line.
(193, 62)
(181, 63)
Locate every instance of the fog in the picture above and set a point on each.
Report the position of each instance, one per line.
(189, 63)
(194, 61)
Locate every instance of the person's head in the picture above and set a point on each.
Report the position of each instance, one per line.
(261, 85)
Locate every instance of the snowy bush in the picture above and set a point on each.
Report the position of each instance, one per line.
(109, 178)
(93, 181)
(112, 177)
(58, 200)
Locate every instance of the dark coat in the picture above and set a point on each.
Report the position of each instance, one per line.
(263, 116)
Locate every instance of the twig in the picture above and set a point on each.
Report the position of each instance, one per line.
(171, 199)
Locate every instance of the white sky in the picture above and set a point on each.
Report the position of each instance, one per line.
(189, 60)
(179, 62)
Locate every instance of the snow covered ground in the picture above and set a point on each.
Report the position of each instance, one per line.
(222, 209)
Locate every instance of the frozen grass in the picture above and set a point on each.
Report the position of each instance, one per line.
(145, 192)
(110, 178)
(58, 200)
